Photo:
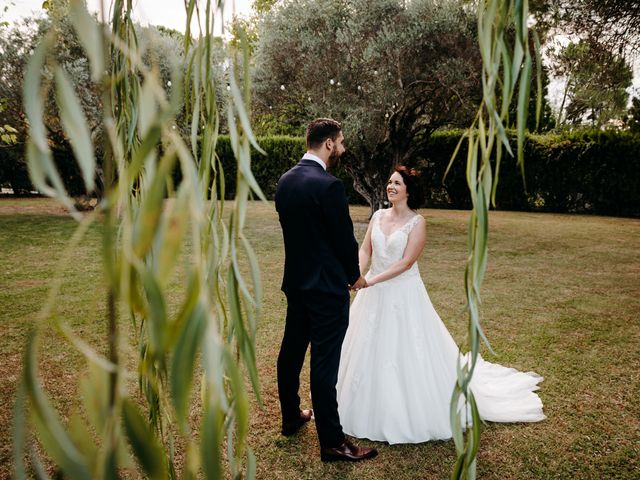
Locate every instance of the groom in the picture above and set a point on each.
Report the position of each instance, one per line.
(321, 265)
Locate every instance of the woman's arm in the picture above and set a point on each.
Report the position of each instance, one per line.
(415, 245)
(364, 254)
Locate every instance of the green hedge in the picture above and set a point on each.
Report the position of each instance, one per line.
(585, 171)
(283, 152)
(15, 174)
(13, 169)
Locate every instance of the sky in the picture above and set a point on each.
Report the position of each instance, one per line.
(169, 13)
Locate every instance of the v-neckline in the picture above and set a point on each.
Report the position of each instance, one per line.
(387, 236)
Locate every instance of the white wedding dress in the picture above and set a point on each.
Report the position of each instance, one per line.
(398, 361)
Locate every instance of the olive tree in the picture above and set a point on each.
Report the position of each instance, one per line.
(391, 71)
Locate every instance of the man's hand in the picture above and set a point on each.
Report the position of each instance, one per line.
(360, 283)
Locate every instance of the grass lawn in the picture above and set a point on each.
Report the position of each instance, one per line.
(561, 297)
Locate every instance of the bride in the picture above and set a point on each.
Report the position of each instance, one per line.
(398, 361)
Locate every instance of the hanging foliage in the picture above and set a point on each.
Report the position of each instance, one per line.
(148, 224)
(506, 69)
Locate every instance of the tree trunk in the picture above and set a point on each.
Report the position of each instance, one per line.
(562, 120)
(370, 179)
(371, 171)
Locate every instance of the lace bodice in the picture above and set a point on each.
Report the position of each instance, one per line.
(388, 249)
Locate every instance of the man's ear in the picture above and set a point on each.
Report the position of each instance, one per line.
(328, 143)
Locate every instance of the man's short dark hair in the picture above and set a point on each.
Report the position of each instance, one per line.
(321, 129)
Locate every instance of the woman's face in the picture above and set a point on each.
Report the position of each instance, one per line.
(396, 189)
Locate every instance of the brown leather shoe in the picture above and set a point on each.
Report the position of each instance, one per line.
(347, 452)
(292, 426)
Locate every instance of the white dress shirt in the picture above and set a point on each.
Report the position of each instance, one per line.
(311, 156)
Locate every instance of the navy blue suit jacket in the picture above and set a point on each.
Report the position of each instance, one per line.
(321, 252)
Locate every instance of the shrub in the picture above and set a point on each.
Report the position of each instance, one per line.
(14, 173)
(589, 171)
(283, 152)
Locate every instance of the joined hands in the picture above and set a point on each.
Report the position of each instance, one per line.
(360, 283)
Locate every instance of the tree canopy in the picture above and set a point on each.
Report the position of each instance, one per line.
(391, 71)
(596, 83)
(159, 47)
(614, 23)
(632, 120)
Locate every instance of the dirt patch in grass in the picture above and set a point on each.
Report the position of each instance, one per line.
(31, 206)
(34, 282)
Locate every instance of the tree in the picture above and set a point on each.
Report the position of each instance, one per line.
(632, 120)
(16, 43)
(615, 23)
(263, 6)
(392, 71)
(7, 132)
(596, 83)
(159, 47)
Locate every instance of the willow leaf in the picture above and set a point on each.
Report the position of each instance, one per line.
(523, 102)
(497, 174)
(502, 134)
(189, 7)
(455, 419)
(539, 92)
(142, 151)
(240, 108)
(32, 98)
(454, 155)
(94, 391)
(75, 126)
(148, 106)
(240, 404)
(152, 206)
(143, 442)
(472, 168)
(475, 432)
(42, 170)
(83, 438)
(243, 156)
(51, 432)
(506, 81)
(173, 234)
(251, 464)
(90, 36)
(19, 433)
(183, 359)
(38, 162)
(212, 437)
(458, 468)
(516, 66)
(249, 356)
(157, 318)
(39, 471)
(254, 268)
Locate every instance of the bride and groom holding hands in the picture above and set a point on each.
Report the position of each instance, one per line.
(385, 368)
